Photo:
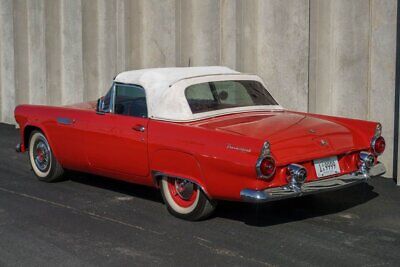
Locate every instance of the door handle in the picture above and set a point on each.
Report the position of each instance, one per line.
(139, 128)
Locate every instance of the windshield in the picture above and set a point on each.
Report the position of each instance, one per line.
(217, 95)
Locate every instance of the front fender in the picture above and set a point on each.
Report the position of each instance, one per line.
(25, 134)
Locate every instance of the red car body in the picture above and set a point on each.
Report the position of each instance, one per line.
(219, 153)
(107, 145)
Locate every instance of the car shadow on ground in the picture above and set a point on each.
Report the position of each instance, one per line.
(134, 190)
(297, 209)
(264, 214)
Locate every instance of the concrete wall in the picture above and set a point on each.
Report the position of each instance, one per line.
(352, 62)
(327, 56)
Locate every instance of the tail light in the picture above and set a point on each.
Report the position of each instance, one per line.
(265, 166)
(378, 145)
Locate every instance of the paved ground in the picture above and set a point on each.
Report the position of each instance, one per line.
(95, 221)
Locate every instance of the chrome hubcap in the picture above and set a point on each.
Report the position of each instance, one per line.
(41, 155)
(184, 188)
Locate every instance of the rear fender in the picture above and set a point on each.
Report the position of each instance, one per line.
(178, 165)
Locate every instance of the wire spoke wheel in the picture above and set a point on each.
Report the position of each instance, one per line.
(44, 164)
(41, 154)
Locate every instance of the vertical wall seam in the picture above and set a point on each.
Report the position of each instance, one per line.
(180, 33)
(28, 52)
(84, 93)
(61, 8)
(44, 54)
(369, 82)
(332, 49)
(257, 19)
(117, 41)
(316, 54)
(10, 93)
(397, 100)
(98, 65)
(82, 58)
(1, 62)
(239, 32)
(220, 31)
(36, 52)
(309, 56)
(317, 51)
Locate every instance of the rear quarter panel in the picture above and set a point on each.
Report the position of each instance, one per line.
(188, 151)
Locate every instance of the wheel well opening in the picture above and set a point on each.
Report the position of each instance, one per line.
(27, 133)
(157, 177)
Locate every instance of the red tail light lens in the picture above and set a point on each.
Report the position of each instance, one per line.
(378, 145)
(267, 167)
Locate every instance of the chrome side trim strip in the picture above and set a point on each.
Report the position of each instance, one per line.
(314, 187)
(65, 121)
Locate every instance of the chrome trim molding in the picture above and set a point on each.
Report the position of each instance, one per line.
(378, 130)
(265, 150)
(314, 187)
(112, 100)
(65, 121)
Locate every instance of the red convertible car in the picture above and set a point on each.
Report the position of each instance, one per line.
(200, 134)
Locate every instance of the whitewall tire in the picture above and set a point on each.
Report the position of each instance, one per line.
(43, 162)
(185, 199)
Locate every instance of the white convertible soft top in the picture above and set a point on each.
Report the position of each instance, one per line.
(165, 90)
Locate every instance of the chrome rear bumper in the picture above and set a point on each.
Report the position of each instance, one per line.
(314, 187)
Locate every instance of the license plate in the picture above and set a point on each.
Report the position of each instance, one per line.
(326, 166)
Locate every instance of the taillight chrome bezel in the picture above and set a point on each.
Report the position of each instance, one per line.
(373, 143)
(377, 135)
(265, 154)
(378, 130)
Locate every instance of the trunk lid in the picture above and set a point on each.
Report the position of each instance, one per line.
(293, 137)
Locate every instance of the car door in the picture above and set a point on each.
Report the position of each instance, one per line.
(130, 122)
(116, 140)
(99, 136)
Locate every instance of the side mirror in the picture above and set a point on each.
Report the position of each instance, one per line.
(100, 105)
